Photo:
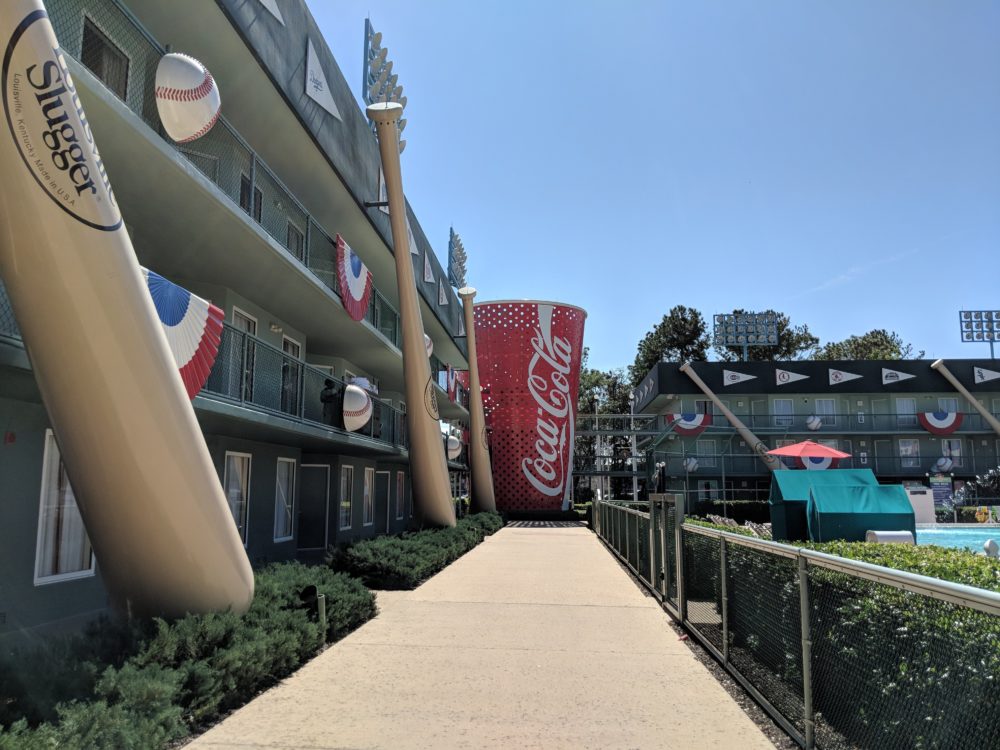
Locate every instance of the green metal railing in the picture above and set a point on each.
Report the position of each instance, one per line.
(841, 653)
(107, 39)
(250, 372)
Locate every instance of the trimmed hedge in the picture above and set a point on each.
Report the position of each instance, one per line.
(172, 678)
(404, 562)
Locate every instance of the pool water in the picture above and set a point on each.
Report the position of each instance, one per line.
(968, 538)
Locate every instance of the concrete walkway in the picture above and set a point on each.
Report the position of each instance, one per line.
(535, 639)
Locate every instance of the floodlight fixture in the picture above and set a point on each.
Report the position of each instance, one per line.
(745, 330)
(379, 82)
(980, 326)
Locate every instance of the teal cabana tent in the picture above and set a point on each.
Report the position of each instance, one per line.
(847, 512)
(789, 498)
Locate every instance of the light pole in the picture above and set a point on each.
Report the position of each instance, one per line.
(635, 465)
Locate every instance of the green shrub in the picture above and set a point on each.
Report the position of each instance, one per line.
(406, 561)
(173, 677)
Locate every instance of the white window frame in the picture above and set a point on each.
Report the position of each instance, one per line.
(288, 508)
(947, 451)
(783, 420)
(345, 469)
(829, 418)
(704, 406)
(368, 498)
(298, 347)
(909, 460)
(246, 502)
(245, 314)
(905, 418)
(400, 495)
(51, 455)
(706, 459)
(951, 400)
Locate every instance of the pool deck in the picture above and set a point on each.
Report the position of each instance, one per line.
(535, 639)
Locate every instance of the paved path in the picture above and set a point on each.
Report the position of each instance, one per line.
(535, 639)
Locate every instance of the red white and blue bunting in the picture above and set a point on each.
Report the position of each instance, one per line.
(355, 281)
(193, 327)
(690, 424)
(940, 422)
(816, 463)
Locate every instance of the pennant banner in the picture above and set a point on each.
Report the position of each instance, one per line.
(815, 463)
(272, 8)
(355, 281)
(982, 375)
(193, 327)
(895, 376)
(940, 422)
(732, 378)
(784, 377)
(317, 87)
(690, 424)
(840, 376)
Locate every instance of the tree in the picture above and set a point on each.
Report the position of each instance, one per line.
(876, 344)
(679, 337)
(794, 342)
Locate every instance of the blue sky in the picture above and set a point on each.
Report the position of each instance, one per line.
(838, 161)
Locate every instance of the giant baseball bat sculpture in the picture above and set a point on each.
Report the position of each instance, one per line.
(428, 465)
(992, 421)
(759, 447)
(483, 498)
(144, 482)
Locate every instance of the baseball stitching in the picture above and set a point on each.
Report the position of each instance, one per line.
(186, 95)
(357, 413)
(200, 133)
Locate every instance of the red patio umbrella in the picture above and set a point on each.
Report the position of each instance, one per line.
(808, 449)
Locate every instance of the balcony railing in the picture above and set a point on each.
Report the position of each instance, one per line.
(745, 464)
(439, 372)
(250, 372)
(222, 155)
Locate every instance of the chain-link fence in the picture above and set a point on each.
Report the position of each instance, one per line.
(107, 40)
(8, 324)
(843, 654)
(247, 370)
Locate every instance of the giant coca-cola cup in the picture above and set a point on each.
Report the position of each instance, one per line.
(529, 366)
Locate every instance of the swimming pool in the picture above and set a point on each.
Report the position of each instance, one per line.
(959, 536)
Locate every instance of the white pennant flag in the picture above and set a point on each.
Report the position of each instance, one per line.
(894, 376)
(840, 376)
(784, 377)
(983, 375)
(732, 378)
(272, 8)
(317, 87)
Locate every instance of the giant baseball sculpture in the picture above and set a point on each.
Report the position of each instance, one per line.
(428, 465)
(148, 493)
(482, 496)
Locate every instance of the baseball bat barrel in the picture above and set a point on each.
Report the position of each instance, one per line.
(483, 497)
(428, 464)
(942, 368)
(147, 491)
(759, 447)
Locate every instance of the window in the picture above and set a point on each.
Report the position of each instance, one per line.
(105, 59)
(295, 241)
(835, 444)
(706, 452)
(236, 483)
(247, 324)
(284, 499)
(826, 410)
(949, 405)
(909, 453)
(788, 462)
(346, 495)
(400, 489)
(62, 550)
(703, 406)
(952, 448)
(369, 502)
(783, 411)
(290, 370)
(906, 412)
(250, 204)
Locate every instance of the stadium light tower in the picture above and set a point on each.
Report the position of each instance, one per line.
(978, 326)
(378, 83)
(745, 330)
